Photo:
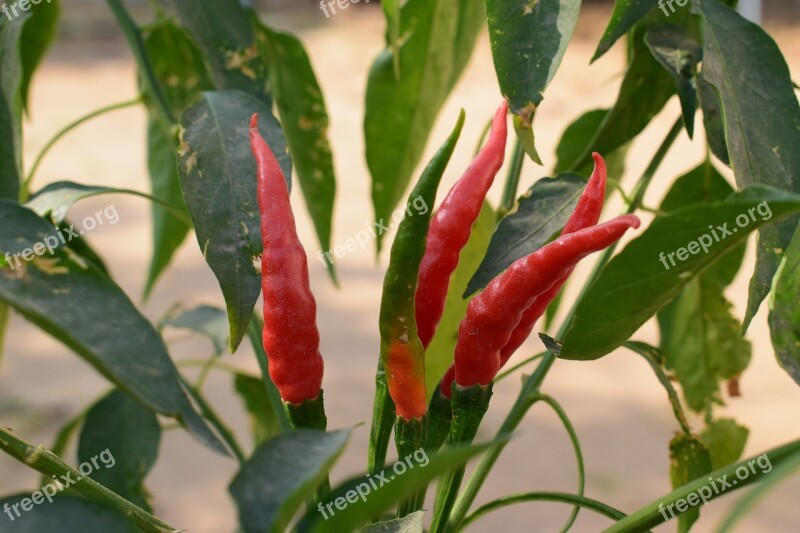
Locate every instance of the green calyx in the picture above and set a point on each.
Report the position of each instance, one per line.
(310, 414)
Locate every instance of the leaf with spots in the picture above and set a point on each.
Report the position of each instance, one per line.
(218, 178)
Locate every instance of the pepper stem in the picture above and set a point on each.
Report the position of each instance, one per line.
(410, 436)
(310, 415)
(440, 415)
(382, 419)
(469, 406)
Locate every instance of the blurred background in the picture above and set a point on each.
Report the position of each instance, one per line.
(620, 412)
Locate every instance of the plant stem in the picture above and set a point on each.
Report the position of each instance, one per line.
(212, 417)
(25, 191)
(579, 501)
(532, 385)
(519, 365)
(44, 461)
(512, 181)
(254, 334)
(5, 315)
(656, 512)
(134, 37)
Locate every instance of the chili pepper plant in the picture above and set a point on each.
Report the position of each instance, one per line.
(236, 119)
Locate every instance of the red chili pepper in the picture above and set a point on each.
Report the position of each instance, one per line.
(586, 214)
(495, 312)
(291, 338)
(451, 227)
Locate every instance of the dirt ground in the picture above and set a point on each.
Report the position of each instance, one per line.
(619, 410)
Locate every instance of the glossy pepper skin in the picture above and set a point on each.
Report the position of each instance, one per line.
(586, 214)
(402, 352)
(451, 227)
(495, 312)
(291, 338)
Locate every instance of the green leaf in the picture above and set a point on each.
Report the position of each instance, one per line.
(699, 337)
(305, 124)
(205, 320)
(698, 332)
(439, 355)
(55, 200)
(725, 440)
(689, 460)
(263, 423)
(577, 136)
(399, 485)
(636, 284)
(223, 31)
(65, 514)
(37, 36)
(712, 119)
(178, 66)
(625, 15)
(281, 475)
(528, 43)
(539, 214)
(762, 122)
(679, 53)
(10, 106)
(411, 523)
(784, 317)
(437, 39)
(218, 177)
(121, 437)
(72, 300)
(631, 113)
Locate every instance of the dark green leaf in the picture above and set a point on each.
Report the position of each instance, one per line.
(10, 106)
(65, 514)
(218, 177)
(38, 35)
(680, 54)
(83, 249)
(539, 214)
(259, 407)
(438, 37)
(631, 112)
(281, 475)
(636, 284)
(305, 124)
(179, 67)
(626, 13)
(784, 317)
(223, 31)
(528, 43)
(439, 355)
(412, 523)
(577, 137)
(712, 119)
(762, 122)
(725, 440)
(689, 460)
(120, 440)
(72, 300)
(205, 320)
(418, 471)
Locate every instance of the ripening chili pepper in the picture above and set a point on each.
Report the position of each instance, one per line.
(586, 214)
(451, 227)
(291, 338)
(495, 312)
(402, 352)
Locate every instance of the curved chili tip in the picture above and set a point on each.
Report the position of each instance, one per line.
(254, 121)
